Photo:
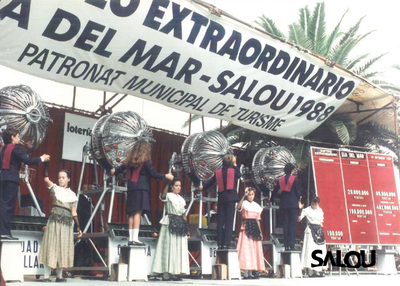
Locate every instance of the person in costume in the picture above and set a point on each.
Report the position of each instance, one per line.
(11, 158)
(226, 179)
(171, 257)
(251, 257)
(314, 238)
(287, 188)
(57, 249)
(138, 169)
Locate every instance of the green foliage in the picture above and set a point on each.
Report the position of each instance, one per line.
(310, 33)
(316, 29)
(339, 128)
(270, 27)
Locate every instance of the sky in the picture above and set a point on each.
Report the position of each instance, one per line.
(381, 16)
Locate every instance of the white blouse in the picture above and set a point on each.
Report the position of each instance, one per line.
(313, 216)
(64, 195)
(251, 206)
(174, 204)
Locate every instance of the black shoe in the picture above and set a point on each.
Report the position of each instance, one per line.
(255, 277)
(61, 280)
(247, 277)
(46, 280)
(166, 279)
(176, 278)
(9, 237)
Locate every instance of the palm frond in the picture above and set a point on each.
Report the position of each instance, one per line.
(341, 52)
(301, 153)
(345, 130)
(297, 36)
(270, 27)
(351, 32)
(316, 29)
(369, 75)
(304, 18)
(338, 129)
(387, 86)
(362, 69)
(335, 34)
(355, 61)
(372, 134)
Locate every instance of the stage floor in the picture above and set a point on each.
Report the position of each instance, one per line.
(335, 279)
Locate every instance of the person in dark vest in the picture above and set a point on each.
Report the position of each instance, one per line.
(226, 179)
(138, 169)
(11, 158)
(287, 186)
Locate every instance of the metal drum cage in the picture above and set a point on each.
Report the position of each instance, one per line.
(114, 135)
(21, 108)
(268, 164)
(202, 154)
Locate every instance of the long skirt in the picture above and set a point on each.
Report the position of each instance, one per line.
(171, 254)
(251, 255)
(57, 248)
(308, 247)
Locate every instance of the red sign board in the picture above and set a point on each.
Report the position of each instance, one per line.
(385, 198)
(360, 204)
(329, 185)
(358, 196)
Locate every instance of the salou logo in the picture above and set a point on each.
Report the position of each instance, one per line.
(352, 259)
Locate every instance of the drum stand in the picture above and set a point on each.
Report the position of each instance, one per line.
(25, 177)
(102, 190)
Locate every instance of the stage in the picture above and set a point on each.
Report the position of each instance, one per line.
(335, 279)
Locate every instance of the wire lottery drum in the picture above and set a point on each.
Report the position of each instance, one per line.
(268, 164)
(202, 154)
(114, 135)
(21, 108)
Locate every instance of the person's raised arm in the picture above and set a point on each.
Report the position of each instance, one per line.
(154, 174)
(209, 183)
(27, 160)
(240, 204)
(163, 195)
(46, 175)
(302, 213)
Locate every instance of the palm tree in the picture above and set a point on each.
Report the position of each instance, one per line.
(310, 34)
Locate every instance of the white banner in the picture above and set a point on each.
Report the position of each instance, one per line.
(175, 53)
(77, 132)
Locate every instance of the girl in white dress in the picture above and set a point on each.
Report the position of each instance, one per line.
(313, 240)
(172, 258)
(57, 249)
